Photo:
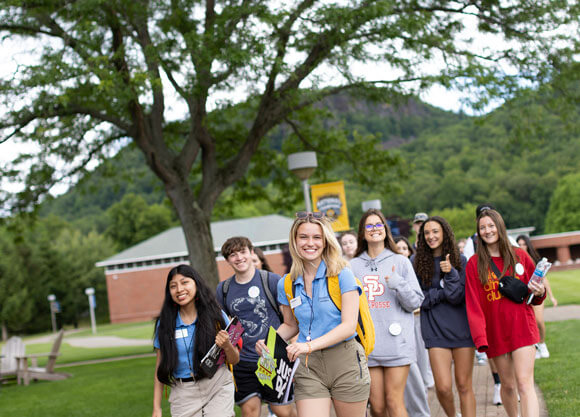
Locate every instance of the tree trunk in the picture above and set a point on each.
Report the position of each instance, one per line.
(4, 332)
(196, 228)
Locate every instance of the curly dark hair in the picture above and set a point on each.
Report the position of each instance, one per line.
(424, 258)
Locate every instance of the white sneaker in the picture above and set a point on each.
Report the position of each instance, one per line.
(496, 394)
(481, 358)
(543, 350)
(538, 354)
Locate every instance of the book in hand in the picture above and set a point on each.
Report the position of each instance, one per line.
(216, 356)
(275, 371)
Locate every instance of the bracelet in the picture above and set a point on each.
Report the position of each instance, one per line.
(308, 354)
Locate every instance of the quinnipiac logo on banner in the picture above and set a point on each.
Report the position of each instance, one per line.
(330, 205)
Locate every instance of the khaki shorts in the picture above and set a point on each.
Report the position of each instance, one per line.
(207, 397)
(339, 372)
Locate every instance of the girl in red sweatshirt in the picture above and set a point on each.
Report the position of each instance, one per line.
(502, 328)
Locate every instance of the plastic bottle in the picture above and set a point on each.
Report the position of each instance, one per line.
(539, 273)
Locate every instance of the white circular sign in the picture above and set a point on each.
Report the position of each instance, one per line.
(519, 269)
(253, 291)
(395, 329)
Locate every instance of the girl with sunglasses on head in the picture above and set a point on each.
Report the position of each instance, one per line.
(441, 272)
(393, 293)
(333, 368)
(188, 326)
(541, 348)
(506, 330)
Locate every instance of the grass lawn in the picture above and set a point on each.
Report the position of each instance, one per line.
(119, 389)
(565, 286)
(122, 388)
(69, 354)
(559, 376)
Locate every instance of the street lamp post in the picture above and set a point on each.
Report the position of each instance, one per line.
(90, 292)
(303, 164)
(52, 300)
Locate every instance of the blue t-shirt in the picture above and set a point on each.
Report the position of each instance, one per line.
(249, 303)
(318, 315)
(185, 342)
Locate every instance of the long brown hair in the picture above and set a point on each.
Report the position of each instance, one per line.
(506, 250)
(424, 258)
(363, 245)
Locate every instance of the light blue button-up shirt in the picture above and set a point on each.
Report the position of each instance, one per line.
(184, 341)
(318, 315)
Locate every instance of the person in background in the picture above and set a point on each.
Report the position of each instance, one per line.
(348, 244)
(189, 324)
(393, 293)
(441, 271)
(260, 261)
(246, 299)
(420, 376)
(404, 246)
(333, 366)
(461, 245)
(541, 348)
(506, 330)
(417, 223)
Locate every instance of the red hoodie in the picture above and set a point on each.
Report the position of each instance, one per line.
(497, 324)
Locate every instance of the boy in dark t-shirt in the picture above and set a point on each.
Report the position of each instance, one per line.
(246, 298)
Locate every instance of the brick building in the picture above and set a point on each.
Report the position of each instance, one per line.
(136, 276)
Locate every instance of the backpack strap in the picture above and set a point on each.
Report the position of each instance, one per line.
(268, 292)
(337, 298)
(496, 270)
(290, 292)
(225, 289)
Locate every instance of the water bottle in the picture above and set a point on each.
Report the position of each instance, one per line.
(539, 273)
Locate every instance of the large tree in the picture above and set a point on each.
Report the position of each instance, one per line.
(104, 71)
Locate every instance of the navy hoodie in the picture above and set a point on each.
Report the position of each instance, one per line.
(443, 315)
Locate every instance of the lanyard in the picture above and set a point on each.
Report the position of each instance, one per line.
(188, 354)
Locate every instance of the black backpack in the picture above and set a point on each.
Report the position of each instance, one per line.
(267, 291)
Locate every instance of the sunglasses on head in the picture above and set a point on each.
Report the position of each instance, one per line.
(306, 214)
(374, 226)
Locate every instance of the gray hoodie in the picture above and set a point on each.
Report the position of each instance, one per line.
(391, 303)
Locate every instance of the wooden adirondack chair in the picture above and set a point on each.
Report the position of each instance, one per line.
(13, 348)
(33, 372)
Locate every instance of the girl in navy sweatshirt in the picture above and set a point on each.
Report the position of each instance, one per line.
(441, 272)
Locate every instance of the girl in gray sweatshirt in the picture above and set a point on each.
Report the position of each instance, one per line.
(393, 293)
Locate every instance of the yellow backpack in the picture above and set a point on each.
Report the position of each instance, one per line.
(365, 329)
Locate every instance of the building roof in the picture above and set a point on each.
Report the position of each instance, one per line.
(262, 231)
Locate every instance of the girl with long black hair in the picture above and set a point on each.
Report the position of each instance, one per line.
(444, 326)
(189, 324)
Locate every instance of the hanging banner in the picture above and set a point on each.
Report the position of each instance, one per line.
(330, 199)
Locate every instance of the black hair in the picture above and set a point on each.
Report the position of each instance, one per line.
(209, 322)
(531, 250)
(260, 254)
(397, 239)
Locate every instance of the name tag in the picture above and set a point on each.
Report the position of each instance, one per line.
(180, 333)
(295, 302)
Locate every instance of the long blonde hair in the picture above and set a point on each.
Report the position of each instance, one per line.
(506, 250)
(331, 254)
